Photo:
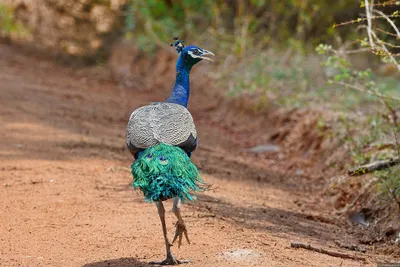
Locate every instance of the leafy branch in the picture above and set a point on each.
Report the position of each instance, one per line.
(381, 33)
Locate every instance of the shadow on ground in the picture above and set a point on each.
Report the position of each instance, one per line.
(121, 262)
(272, 220)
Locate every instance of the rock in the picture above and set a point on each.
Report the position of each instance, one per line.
(299, 172)
(359, 218)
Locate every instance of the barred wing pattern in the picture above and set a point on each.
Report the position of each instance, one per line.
(166, 123)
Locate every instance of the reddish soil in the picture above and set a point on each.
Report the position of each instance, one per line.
(66, 196)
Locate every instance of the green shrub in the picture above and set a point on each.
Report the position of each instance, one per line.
(8, 25)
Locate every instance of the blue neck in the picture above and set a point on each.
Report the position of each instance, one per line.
(181, 92)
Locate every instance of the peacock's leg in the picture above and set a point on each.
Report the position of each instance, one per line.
(170, 260)
(180, 225)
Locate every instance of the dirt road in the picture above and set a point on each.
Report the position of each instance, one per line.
(67, 201)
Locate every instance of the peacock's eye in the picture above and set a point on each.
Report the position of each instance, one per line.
(196, 52)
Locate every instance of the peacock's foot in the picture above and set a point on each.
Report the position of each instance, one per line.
(179, 232)
(170, 260)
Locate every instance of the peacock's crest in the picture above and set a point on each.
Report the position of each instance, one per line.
(179, 44)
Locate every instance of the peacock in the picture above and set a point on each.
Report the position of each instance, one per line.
(161, 137)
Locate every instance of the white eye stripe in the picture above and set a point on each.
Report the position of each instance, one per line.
(193, 55)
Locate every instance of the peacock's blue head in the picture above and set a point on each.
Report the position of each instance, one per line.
(190, 55)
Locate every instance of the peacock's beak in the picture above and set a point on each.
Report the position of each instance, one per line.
(205, 53)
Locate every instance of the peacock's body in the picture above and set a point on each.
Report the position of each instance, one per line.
(167, 123)
(161, 136)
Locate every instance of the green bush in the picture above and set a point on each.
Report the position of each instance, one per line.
(8, 25)
(242, 24)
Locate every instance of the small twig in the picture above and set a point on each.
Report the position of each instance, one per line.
(386, 3)
(355, 51)
(368, 11)
(211, 215)
(390, 21)
(370, 92)
(350, 246)
(375, 43)
(389, 44)
(388, 33)
(324, 251)
(383, 47)
(359, 20)
(374, 166)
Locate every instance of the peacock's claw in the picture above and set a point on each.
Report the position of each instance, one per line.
(179, 232)
(170, 260)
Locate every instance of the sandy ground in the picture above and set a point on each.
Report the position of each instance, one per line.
(66, 199)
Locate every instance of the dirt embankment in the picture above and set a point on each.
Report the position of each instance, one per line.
(81, 30)
(67, 201)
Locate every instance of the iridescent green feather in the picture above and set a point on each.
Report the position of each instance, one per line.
(166, 171)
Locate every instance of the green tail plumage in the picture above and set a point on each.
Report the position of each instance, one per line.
(166, 171)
